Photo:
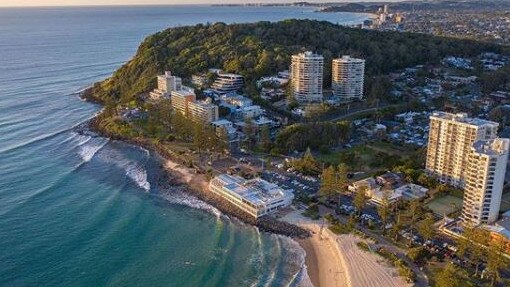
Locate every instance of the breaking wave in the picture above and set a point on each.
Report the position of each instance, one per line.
(133, 169)
(296, 257)
(139, 175)
(177, 195)
(88, 151)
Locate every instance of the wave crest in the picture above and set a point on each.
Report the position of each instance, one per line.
(139, 175)
(178, 195)
(87, 151)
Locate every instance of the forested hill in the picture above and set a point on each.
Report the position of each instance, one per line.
(263, 48)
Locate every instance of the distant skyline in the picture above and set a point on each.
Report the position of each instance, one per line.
(29, 3)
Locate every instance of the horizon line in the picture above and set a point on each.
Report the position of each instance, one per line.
(206, 3)
(108, 5)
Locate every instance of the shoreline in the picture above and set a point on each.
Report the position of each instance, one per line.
(194, 181)
(324, 264)
(336, 260)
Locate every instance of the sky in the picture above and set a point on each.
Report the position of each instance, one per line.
(10, 3)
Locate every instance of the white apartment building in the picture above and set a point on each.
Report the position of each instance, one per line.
(451, 137)
(227, 83)
(256, 197)
(166, 84)
(181, 100)
(204, 112)
(307, 77)
(348, 76)
(169, 83)
(485, 176)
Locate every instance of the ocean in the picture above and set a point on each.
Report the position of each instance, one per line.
(80, 210)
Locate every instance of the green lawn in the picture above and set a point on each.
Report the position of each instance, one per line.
(392, 149)
(444, 205)
(361, 158)
(363, 153)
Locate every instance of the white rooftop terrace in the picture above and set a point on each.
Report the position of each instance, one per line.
(256, 191)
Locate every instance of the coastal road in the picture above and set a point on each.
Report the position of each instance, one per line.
(354, 112)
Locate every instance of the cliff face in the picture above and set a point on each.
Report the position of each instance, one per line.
(258, 49)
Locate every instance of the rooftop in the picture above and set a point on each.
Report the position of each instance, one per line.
(256, 191)
(497, 146)
(229, 75)
(308, 54)
(347, 58)
(463, 118)
(184, 91)
(221, 122)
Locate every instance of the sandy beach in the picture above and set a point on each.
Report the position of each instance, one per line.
(336, 260)
(332, 260)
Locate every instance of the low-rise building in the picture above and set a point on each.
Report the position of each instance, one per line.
(236, 100)
(388, 187)
(251, 111)
(412, 191)
(390, 180)
(224, 125)
(378, 197)
(367, 184)
(227, 83)
(256, 197)
(500, 231)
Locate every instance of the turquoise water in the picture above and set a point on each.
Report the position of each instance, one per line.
(79, 210)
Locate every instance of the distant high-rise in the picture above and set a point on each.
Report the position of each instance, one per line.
(485, 176)
(451, 137)
(348, 76)
(307, 77)
(166, 84)
(169, 83)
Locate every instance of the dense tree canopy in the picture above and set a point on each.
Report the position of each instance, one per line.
(262, 48)
(312, 135)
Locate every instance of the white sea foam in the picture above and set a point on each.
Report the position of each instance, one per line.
(296, 256)
(87, 151)
(139, 175)
(134, 170)
(147, 153)
(83, 139)
(72, 137)
(178, 196)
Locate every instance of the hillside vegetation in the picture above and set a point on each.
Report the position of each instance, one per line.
(263, 48)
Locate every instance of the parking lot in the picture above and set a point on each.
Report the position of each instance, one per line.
(301, 184)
